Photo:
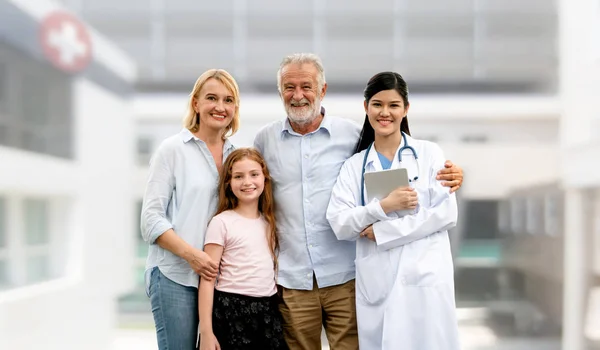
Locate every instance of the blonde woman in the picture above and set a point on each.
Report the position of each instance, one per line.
(180, 199)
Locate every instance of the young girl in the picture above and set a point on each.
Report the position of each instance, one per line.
(239, 310)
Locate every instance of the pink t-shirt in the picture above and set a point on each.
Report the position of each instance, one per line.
(246, 265)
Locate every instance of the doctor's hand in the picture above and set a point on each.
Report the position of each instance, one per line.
(402, 198)
(368, 233)
(452, 175)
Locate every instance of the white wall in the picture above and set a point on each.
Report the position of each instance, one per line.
(25, 172)
(78, 310)
(492, 171)
(106, 154)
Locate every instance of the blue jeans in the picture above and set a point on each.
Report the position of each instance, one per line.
(175, 310)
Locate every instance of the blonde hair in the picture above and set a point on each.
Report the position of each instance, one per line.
(191, 121)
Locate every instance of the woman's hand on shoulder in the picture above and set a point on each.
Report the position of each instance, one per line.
(202, 264)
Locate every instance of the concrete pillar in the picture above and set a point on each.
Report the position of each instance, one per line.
(579, 56)
(575, 271)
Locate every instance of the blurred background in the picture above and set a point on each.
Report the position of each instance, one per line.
(508, 88)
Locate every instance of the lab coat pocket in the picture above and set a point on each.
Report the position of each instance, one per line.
(375, 276)
(421, 262)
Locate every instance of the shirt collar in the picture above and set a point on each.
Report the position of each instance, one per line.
(326, 124)
(227, 146)
(187, 136)
(373, 159)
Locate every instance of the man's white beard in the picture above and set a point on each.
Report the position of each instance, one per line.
(304, 115)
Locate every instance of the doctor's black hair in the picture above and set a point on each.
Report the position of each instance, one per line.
(381, 82)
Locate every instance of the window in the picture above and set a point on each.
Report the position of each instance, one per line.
(504, 216)
(144, 150)
(30, 228)
(34, 107)
(535, 223)
(2, 224)
(3, 275)
(3, 90)
(36, 222)
(517, 215)
(3, 245)
(37, 239)
(553, 214)
(37, 115)
(481, 222)
(37, 268)
(3, 104)
(474, 139)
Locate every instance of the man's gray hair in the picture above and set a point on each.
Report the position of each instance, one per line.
(302, 58)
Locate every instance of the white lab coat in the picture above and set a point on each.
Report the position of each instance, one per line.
(404, 282)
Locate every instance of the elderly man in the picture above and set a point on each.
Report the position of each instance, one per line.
(304, 153)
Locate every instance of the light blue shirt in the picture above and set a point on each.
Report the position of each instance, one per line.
(304, 169)
(181, 194)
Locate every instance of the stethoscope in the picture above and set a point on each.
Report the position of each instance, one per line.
(364, 165)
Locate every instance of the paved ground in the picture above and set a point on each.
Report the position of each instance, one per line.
(475, 329)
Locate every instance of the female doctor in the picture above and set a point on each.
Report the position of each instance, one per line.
(404, 273)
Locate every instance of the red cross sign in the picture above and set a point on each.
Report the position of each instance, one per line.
(66, 42)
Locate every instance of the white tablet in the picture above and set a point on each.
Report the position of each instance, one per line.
(380, 183)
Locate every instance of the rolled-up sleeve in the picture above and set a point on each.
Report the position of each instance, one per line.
(159, 191)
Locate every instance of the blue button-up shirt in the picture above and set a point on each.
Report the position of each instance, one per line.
(304, 169)
(181, 194)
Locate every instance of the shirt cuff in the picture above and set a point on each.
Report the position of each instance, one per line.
(375, 209)
(158, 230)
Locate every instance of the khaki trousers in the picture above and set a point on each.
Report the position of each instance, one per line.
(306, 312)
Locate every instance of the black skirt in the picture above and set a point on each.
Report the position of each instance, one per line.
(241, 322)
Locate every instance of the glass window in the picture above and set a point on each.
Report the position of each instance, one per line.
(3, 134)
(33, 141)
(35, 105)
(35, 113)
(475, 139)
(3, 90)
(3, 274)
(553, 211)
(517, 215)
(534, 221)
(2, 223)
(504, 216)
(36, 222)
(38, 268)
(144, 150)
(481, 221)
